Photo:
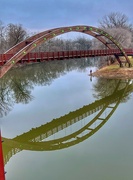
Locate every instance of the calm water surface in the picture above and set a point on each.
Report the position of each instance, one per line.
(58, 124)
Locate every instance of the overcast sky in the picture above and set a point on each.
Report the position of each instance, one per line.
(38, 15)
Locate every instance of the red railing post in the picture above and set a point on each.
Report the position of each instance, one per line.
(4, 58)
(35, 57)
(1, 59)
(53, 55)
(68, 54)
(41, 58)
(58, 56)
(63, 55)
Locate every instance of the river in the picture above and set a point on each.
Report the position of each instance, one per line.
(57, 122)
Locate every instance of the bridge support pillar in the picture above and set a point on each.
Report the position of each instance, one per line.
(121, 62)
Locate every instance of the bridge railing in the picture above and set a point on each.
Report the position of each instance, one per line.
(41, 56)
(4, 58)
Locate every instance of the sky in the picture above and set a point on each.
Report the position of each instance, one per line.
(39, 15)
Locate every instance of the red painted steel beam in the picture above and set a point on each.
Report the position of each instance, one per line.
(32, 57)
(2, 172)
(35, 57)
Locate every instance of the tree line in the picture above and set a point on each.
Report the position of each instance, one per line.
(116, 24)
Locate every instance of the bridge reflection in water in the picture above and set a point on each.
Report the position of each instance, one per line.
(38, 139)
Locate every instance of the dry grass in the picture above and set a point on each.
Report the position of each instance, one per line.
(114, 71)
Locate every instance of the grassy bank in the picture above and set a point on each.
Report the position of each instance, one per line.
(114, 71)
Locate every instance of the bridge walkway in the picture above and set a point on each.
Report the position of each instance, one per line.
(60, 55)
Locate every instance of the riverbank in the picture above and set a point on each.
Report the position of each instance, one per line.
(114, 71)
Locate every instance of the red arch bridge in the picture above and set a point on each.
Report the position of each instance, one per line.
(22, 51)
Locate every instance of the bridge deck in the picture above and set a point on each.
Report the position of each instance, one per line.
(45, 56)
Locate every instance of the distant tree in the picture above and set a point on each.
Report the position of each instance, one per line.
(117, 25)
(59, 45)
(2, 37)
(15, 33)
(82, 43)
(123, 36)
(115, 20)
(68, 45)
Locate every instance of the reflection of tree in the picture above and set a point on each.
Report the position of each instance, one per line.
(5, 99)
(17, 84)
(13, 91)
(21, 91)
(105, 87)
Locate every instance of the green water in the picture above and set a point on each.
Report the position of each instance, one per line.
(58, 123)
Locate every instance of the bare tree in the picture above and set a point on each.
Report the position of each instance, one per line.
(117, 25)
(122, 36)
(82, 43)
(115, 20)
(2, 37)
(15, 34)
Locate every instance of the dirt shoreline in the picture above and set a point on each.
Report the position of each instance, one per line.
(114, 73)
